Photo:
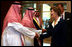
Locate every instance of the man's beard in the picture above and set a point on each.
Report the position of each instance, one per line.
(36, 15)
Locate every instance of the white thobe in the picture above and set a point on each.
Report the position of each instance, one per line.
(12, 35)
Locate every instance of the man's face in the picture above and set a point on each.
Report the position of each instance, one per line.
(21, 9)
(61, 8)
(36, 14)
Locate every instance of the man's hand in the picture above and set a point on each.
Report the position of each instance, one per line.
(37, 36)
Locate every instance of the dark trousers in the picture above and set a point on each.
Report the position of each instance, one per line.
(36, 42)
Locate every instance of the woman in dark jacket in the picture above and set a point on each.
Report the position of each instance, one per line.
(57, 29)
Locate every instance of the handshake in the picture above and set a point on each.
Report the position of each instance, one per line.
(38, 32)
(37, 36)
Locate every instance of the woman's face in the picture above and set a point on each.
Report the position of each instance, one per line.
(53, 14)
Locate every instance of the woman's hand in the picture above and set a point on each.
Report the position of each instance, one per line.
(43, 30)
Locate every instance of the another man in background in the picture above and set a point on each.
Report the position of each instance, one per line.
(67, 17)
(38, 24)
(64, 15)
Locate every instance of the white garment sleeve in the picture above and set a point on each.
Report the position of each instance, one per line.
(20, 28)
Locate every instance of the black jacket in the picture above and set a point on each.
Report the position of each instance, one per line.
(58, 33)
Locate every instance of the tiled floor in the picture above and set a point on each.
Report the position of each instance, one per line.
(46, 44)
(47, 41)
